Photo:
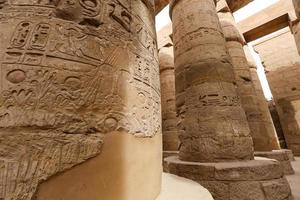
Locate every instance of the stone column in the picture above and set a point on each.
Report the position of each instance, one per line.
(216, 147)
(285, 156)
(214, 117)
(261, 128)
(258, 116)
(277, 123)
(295, 24)
(80, 100)
(169, 117)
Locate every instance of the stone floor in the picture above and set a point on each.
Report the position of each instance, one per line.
(177, 188)
(294, 180)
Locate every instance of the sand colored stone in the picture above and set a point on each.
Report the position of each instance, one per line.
(295, 25)
(259, 179)
(270, 115)
(215, 126)
(216, 147)
(113, 175)
(169, 116)
(281, 64)
(277, 124)
(72, 72)
(280, 155)
(286, 97)
(294, 180)
(262, 131)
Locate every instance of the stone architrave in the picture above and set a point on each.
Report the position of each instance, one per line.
(295, 25)
(216, 147)
(261, 129)
(168, 104)
(76, 75)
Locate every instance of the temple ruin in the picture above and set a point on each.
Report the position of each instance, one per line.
(98, 103)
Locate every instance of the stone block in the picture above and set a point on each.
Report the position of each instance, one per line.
(276, 189)
(248, 170)
(219, 190)
(250, 190)
(280, 155)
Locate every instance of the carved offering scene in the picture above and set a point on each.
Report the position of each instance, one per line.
(149, 100)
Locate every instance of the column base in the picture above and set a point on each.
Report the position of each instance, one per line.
(260, 179)
(279, 155)
(167, 154)
(289, 153)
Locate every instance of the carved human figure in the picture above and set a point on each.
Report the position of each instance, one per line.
(72, 72)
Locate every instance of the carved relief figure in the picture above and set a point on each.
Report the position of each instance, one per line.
(71, 72)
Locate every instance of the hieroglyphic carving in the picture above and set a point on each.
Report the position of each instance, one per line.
(33, 157)
(69, 75)
(219, 100)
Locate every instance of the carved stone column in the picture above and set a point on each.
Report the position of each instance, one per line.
(284, 156)
(80, 100)
(216, 147)
(169, 117)
(262, 130)
(214, 117)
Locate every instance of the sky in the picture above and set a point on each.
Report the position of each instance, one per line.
(162, 19)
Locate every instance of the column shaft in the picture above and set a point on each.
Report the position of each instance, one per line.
(262, 129)
(215, 125)
(169, 117)
(75, 74)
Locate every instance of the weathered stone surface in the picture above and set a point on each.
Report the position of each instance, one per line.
(169, 116)
(289, 154)
(297, 7)
(282, 73)
(192, 170)
(250, 190)
(71, 72)
(283, 84)
(262, 130)
(277, 123)
(253, 170)
(219, 190)
(255, 179)
(216, 148)
(280, 155)
(277, 189)
(260, 169)
(215, 126)
(170, 153)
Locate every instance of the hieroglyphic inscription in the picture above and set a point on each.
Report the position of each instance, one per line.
(71, 71)
(219, 100)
